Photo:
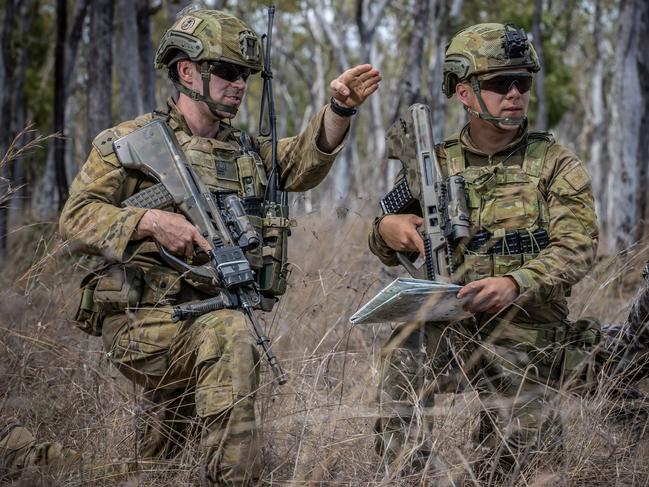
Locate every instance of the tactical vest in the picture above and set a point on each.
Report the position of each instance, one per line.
(231, 165)
(234, 165)
(502, 199)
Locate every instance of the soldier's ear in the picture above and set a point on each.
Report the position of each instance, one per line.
(464, 93)
(185, 70)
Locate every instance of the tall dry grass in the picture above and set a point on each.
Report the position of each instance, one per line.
(317, 429)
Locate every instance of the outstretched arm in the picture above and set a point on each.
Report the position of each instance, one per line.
(349, 90)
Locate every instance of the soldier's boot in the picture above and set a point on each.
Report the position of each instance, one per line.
(404, 445)
(227, 368)
(19, 452)
(532, 439)
(403, 430)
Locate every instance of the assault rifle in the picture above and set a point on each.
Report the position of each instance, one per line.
(154, 151)
(443, 202)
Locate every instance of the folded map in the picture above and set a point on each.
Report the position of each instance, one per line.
(407, 299)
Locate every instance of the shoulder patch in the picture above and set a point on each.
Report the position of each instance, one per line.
(104, 142)
(577, 178)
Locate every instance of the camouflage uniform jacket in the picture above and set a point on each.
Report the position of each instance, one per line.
(565, 198)
(94, 223)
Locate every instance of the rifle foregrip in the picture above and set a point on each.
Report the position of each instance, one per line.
(197, 308)
(397, 199)
(153, 197)
(428, 256)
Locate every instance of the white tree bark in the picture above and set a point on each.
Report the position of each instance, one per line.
(537, 32)
(598, 162)
(628, 139)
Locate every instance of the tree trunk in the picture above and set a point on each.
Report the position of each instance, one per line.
(7, 63)
(100, 62)
(74, 36)
(599, 164)
(28, 11)
(410, 83)
(537, 33)
(444, 11)
(629, 129)
(146, 54)
(128, 70)
(59, 101)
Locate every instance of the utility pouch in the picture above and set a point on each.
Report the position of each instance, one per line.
(276, 230)
(89, 316)
(578, 363)
(119, 287)
(161, 287)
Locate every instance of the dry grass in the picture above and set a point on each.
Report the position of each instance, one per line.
(318, 429)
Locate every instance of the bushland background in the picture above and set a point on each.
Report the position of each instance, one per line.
(69, 69)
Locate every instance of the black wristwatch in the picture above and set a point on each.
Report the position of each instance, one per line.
(341, 110)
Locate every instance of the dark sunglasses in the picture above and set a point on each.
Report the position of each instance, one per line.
(228, 71)
(502, 84)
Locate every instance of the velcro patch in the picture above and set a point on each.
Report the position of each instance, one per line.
(104, 142)
(188, 24)
(577, 178)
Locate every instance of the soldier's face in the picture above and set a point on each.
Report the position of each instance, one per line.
(510, 103)
(229, 93)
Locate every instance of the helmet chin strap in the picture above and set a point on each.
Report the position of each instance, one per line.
(488, 117)
(214, 106)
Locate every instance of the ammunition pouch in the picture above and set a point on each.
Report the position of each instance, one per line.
(119, 287)
(514, 242)
(274, 273)
(89, 316)
(486, 256)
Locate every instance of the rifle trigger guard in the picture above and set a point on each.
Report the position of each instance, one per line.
(199, 273)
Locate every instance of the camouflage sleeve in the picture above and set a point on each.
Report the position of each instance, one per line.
(573, 230)
(91, 219)
(378, 246)
(302, 165)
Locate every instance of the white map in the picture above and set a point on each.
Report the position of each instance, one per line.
(407, 299)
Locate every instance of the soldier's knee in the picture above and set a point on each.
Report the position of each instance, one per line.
(225, 333)
(227, 363)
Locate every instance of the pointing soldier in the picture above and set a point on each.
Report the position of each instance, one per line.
(534, 235)
(206, 366)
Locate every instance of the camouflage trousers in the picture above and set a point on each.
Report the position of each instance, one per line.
(516, 371)
(206, 367)
(20, 451)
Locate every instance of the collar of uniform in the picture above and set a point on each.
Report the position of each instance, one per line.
(176, 119)
(469, 145)
(177, 122)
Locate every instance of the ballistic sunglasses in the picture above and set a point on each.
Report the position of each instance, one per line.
(502, 84)
(229, 72)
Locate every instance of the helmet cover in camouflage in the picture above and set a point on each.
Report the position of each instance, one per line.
(487, 48)
(210, 35)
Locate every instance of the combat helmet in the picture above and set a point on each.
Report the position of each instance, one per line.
(205, 36)
(483, 50)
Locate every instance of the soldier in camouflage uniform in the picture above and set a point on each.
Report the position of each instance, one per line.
(206, 366)
(534, 235)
